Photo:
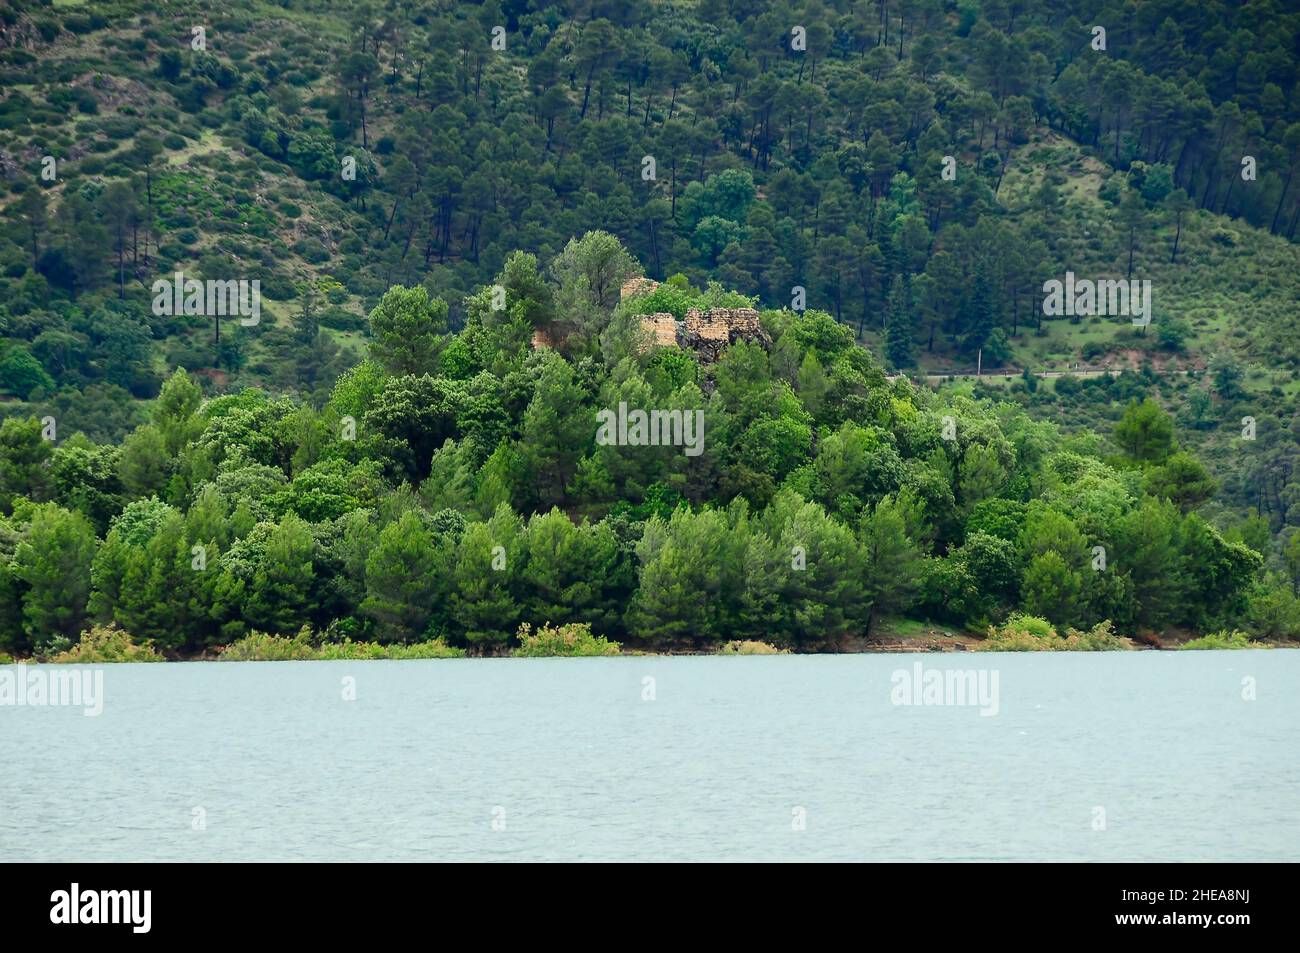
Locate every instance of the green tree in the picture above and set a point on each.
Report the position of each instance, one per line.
(1051, 589)
(1148, 548)
(1145, 432)
(1183, 479)
(280, 596)
(689, 578)
(570, 572)
(21, 374)
(557, 430)
(144, 465)
(589, 274)
(24, 455)
(485, 601)
(175, 413)
(53, 563)
(407, 329)
(893, 557)
(405, 580)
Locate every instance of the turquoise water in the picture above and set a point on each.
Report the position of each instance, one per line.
(733, 758)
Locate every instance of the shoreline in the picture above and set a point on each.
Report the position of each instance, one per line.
(890, 636)
(949, 644)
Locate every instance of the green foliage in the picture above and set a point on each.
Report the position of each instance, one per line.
(1146, 432)
(260, 647)
(450, 489)
(407, 330)
(484, 604)
(404, 577)
(53, 563)
(571, 641)
(689, 564)
(749, 647)
(104, 644)
(281, 593)
(21, 374)
(1025, 633)
(24, 454)
(1223, 639)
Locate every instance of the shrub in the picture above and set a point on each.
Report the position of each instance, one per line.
(347, 649)
(260, 647)
(1100, 638)
(751, 647)
(1236, 639)
(1021, 633)
(572, 640)
(341, 319)
(107, 643)
(21, 373)
(1027, 633)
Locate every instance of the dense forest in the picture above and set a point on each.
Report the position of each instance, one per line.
(442, 202)
(452, 486)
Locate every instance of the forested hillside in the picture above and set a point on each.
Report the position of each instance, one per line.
(440, 203)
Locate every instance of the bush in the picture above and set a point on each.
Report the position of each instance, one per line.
(21, 373)
(1100, 638)
(1027, 633)
(1236, 639)
(341, 319)
(106, 643)
(347, 649)
(573, 641)
(260, 647)
(751, 647)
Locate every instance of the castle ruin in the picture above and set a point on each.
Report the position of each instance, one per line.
(704, 332)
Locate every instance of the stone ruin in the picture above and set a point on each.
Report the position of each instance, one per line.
(706, 332)
(636, 286)
(663, 329)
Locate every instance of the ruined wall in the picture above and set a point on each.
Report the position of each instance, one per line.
(636, 286)
(706, 332)
(663, 329)
(723, 324)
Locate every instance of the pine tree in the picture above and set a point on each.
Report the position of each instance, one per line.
(900, 331)
(405, 580)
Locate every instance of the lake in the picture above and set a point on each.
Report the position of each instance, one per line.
(1106, 756)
